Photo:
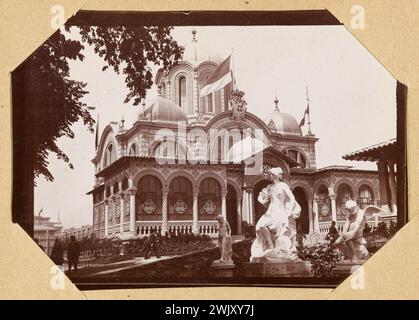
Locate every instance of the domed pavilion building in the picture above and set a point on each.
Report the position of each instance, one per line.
(172, 171)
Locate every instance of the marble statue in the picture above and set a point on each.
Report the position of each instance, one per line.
(352, 238)
(276, 229)
(224, 240)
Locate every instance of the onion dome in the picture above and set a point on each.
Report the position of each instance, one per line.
(282, 122)
(165, 110)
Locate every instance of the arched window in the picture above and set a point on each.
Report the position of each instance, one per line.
(180, 199)
(220, 148)
(298, 156)
(303, 162)
(133, 150)
(324, 205)
(125, 184)
(167, 148)
(108, 191)
(115, 188)
(163, 89)
(293, 154)
(209, 199)
(344, 193)
(149, 198)
(182, 92)
(365, 196)
(227, 92)
(210, 103)
(110, 155)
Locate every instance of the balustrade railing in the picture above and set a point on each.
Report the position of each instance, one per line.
(209, 228)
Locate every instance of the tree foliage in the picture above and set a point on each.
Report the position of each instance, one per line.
(56, 101)
(131, 50)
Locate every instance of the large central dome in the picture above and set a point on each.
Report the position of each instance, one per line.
(165, 110)
(283, 122)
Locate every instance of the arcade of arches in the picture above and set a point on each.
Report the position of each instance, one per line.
(182, 201)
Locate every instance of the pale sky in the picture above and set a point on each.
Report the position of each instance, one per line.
(353, 99)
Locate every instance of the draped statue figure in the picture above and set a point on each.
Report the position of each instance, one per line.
(276, 229)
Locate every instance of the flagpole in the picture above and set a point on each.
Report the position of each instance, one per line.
(97, 133)
(232, 68)
(308, 113)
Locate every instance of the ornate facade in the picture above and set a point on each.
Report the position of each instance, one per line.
(172, 170)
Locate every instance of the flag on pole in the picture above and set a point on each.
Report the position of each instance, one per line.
(219, 78)
(306, 113)
(303, 120)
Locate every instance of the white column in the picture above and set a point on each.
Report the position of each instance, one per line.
(195, 94)
(392, 185)
(316, 215)
(164, 213)
(251, 208)
(245, 206)
(222, 105)
(310, 217)
(333, 201)
(113, 209)
(195, 223)
(121, 212)
(132, 215)
(224, 205)
(106, 217)
(239, 217)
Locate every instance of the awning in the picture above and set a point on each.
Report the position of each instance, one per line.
(381, 151)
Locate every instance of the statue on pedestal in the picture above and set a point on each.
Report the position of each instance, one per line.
(353, 230)
(224, 240)
(276, 229)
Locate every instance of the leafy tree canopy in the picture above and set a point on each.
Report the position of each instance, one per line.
(56, 100)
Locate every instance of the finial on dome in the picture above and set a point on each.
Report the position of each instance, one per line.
(141, 115)
(122, 124)
(193, 34)
(276, 103)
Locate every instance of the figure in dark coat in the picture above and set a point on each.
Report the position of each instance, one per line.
(57, 253)
(333, 233)
(152, 244)
(73, 253)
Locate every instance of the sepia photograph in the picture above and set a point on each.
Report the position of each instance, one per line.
(158, 149)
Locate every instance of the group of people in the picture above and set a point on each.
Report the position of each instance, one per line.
(73, 253)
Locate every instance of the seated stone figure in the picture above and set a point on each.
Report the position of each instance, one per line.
(353, 230)
(224, 240)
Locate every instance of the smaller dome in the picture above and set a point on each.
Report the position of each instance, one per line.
(165, 110)
(283, 122)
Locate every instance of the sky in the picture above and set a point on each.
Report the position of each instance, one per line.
(352, 99)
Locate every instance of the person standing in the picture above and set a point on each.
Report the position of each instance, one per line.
(152, 245)
(73, 253)
(333, 233)
(57, 253)
(300, 237)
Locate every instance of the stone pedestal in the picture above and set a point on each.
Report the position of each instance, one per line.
(260, 267)
(346, 267)
(222, 269)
